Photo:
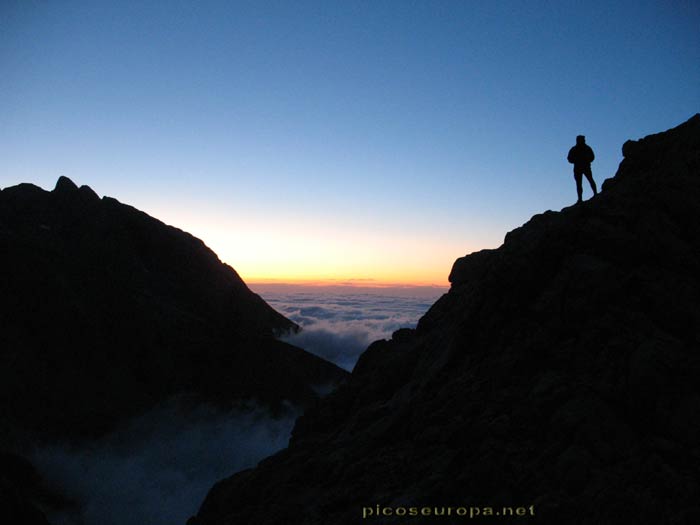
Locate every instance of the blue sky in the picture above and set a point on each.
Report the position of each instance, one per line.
(337, 140)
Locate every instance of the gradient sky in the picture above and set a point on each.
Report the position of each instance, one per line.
(375, 140)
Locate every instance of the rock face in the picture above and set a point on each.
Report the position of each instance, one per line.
(107, 311)
(22, 491)
(560, 371)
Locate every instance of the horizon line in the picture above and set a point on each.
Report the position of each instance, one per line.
(342, 283)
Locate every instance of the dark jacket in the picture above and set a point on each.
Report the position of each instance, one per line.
(581, 156)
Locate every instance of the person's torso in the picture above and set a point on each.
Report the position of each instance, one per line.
(581, 155)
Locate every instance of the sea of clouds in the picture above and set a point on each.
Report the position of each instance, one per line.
(339, 324)
(158, 468)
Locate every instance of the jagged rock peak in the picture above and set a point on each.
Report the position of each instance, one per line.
(67, 188)
(64, 184)
(672, 140)
(654, 159)
(88, 193)
(112, 311)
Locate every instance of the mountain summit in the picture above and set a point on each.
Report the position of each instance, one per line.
(559, 374)
(107, 311)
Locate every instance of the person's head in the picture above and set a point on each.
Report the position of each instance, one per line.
(580, 139)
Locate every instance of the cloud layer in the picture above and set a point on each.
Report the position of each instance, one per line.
(158, 470)
(339, 326)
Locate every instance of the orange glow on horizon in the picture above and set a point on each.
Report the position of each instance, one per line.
(316, 253)
(332, 269)
(348, 283)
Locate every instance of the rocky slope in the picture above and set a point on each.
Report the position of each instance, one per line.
(107, 311)
(560, 371)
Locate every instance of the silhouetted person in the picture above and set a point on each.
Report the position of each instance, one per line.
(581, 156)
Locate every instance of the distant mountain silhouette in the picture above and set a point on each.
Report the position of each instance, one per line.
(107, 311)
(560, 371)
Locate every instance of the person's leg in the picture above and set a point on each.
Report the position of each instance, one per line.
(579, 188)
(589, 176)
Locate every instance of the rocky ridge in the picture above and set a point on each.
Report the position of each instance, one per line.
(559, 371)
(107, 311)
